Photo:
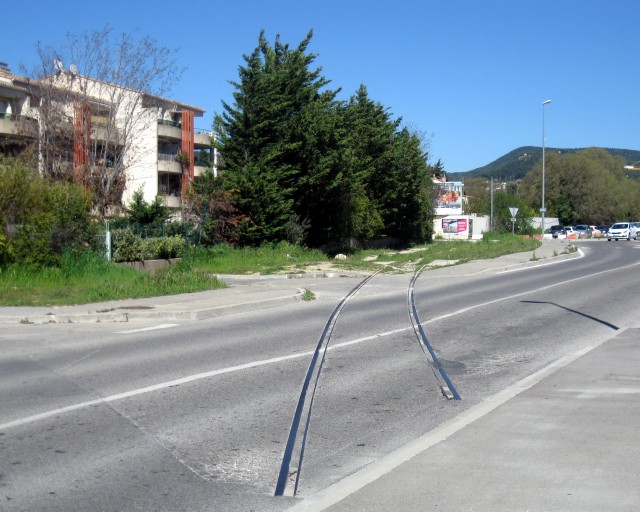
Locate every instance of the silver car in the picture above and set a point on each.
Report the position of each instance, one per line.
(622, 231)
(583, 230)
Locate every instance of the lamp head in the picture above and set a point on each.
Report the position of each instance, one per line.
(546, 102)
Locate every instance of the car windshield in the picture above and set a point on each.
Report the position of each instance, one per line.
(620, 226)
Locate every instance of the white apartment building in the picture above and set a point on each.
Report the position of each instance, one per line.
(148, 141)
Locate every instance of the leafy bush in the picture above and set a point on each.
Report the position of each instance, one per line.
(170, 247)
(127, 246)
(40, 219)
(6, 250)
(32, 245)
(141, 212)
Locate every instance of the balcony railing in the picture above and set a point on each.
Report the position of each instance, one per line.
(171, 201)
(15, 117)
(168, 122)
(18, 125)
(99, 120)
(178, 124)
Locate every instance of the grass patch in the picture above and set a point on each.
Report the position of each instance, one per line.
(491, 246)
(266, 259)
(87, 278)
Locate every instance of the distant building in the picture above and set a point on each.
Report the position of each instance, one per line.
(152, 139)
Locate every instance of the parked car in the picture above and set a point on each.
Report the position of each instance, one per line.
(622, 231)
(568, 231)
(604, 229)
(556, 230)
(583, 230)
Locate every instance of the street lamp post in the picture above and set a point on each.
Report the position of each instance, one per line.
(543, 209)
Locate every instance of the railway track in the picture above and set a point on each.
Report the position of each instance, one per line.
(291, 466)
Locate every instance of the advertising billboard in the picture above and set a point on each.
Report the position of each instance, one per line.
(449, 198)
(456, 227)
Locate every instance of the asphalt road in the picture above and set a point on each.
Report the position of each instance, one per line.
(193, 416)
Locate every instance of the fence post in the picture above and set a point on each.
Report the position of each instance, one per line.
(107, 241)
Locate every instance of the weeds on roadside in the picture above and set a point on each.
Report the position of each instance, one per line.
(88, 277)
(266, 259)
(492, 245)
(308, 295)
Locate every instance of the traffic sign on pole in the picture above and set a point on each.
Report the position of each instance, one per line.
(514, 212)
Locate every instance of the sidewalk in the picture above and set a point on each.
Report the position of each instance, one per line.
(564, 439)
(245, 293)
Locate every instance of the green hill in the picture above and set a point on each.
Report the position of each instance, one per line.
(517, 163)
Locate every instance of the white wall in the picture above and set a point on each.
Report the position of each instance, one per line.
(536, 222)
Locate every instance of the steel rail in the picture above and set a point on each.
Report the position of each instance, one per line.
(321, 347)
(447, 388)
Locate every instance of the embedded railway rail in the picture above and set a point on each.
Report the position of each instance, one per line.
(291, 467)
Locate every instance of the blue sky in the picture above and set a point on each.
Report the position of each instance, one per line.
(470, 75)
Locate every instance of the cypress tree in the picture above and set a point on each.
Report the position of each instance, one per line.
(262, 137)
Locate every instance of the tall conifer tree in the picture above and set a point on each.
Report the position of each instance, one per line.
(262, 137)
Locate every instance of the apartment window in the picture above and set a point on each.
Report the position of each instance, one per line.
(169, 184)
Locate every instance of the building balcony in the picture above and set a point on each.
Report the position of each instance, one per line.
(202, 139)
(20, 126)
(169, 130)
(172, 201)
(169, 163)
(107, 134)
(173, 131)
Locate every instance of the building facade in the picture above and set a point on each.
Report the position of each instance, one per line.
(105, 135)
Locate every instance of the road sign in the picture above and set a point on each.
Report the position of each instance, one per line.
(514, 212)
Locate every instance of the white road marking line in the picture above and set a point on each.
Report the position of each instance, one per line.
(148, 389)
(177, 382)
(144, 329)
(580, 252)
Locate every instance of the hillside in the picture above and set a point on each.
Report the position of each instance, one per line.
(517, 163)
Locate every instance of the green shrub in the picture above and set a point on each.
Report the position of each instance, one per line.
(141, 212)
(7, 253)
(170, 247)
(40, 219)
(33, 245)
(128, 246)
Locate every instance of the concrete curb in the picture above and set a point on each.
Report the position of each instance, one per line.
(156, 312)
(536, 263)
